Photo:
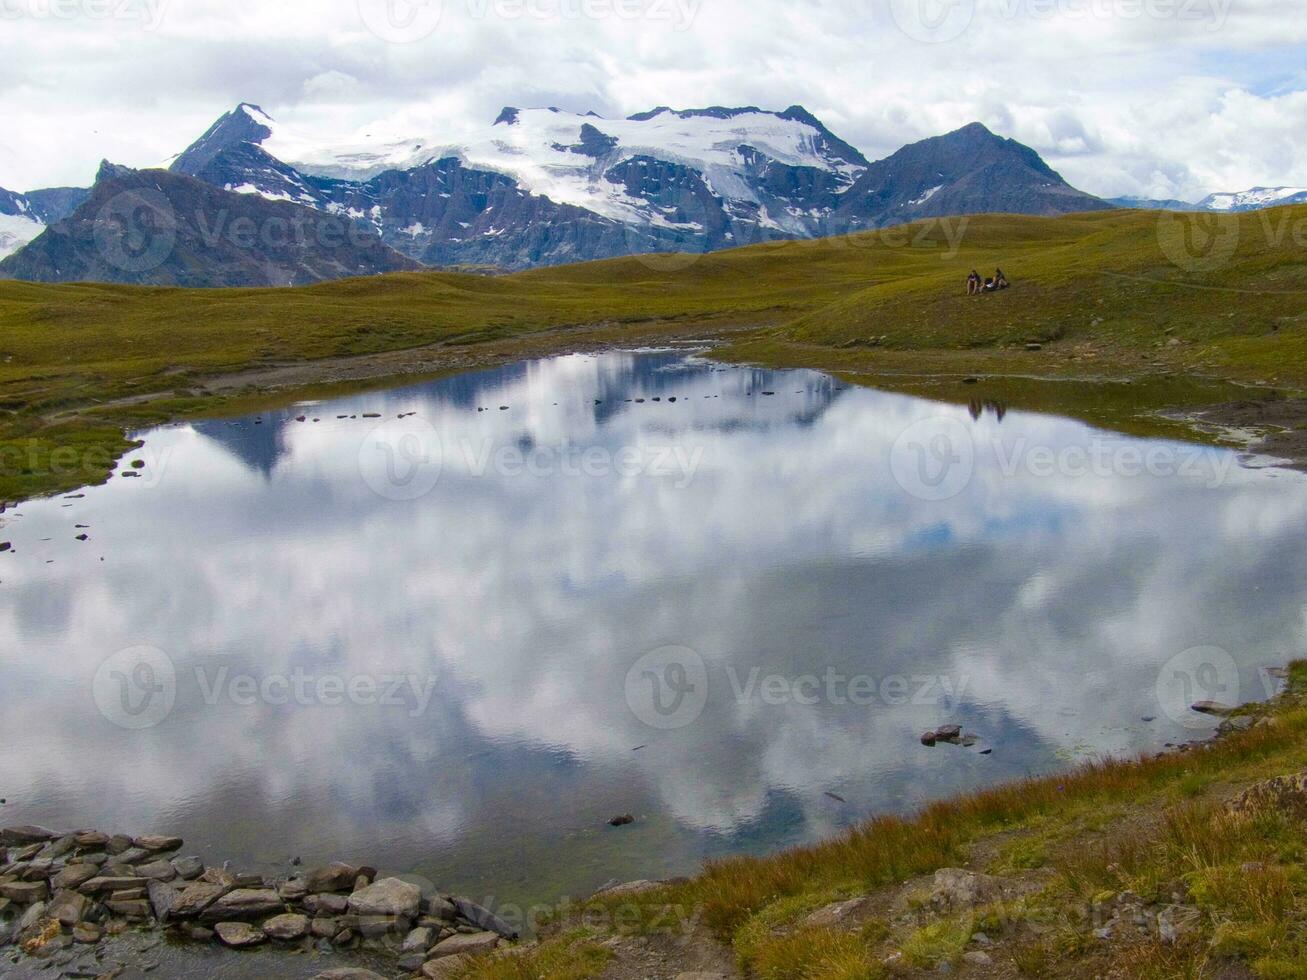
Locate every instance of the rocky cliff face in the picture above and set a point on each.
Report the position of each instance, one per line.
(970, 171)
(158, 228)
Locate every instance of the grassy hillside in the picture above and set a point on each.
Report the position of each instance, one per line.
(1108, 293)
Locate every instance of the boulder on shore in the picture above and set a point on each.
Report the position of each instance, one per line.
(389, 896)
(239, 935)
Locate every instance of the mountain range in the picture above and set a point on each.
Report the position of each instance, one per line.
(1250, 200)
(535, 187)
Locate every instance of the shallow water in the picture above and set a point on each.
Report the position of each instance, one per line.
(454, 645)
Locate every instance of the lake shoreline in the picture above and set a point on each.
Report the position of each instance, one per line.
(67, 895)
(70, 895)
(1248, 417)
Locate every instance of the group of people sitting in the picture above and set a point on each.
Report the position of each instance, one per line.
(976, 285)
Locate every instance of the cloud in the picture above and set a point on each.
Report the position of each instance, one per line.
(1161, 97)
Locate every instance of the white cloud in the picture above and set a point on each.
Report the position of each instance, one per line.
(1162, 97)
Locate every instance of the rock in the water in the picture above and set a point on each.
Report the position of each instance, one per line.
(22, 836)
(929, 738)
(483, 918)
(1214, 708)
(242, 904)
(58, 848)
(156, 842)
(389, 896)
(287, 927)
(622, 820)
(68, 907)
(348, 973)
(335, 877)
(188, 868)
(163, 897)
(74, 876)
(110, 883)
(195, 898)
(25, 892)
(419, 940)
(157, 870)
(293, 890)
(136, 909)
(327, 903)
(219, 876)
(377, 926)
(91, 839)
(239, 935)
(471, 944)
(946, 733)
(118, 843)
(441, 908)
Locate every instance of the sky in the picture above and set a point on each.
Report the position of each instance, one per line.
(1158, 98)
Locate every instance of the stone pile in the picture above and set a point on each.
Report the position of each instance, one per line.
(63, 892)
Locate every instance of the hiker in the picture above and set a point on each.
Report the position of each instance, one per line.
(973, 283)
(1000, 280)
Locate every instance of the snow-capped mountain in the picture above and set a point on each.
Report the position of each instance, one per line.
(24, 216)
(1254, 199)
(159, 228)
(567, 157)
(543, 186)
(18, 224)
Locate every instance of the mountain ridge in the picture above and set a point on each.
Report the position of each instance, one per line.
(544, 186)
(155, 227)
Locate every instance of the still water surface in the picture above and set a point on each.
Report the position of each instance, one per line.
(455, 644)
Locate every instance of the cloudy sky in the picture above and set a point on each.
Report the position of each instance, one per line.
(1165, 98)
